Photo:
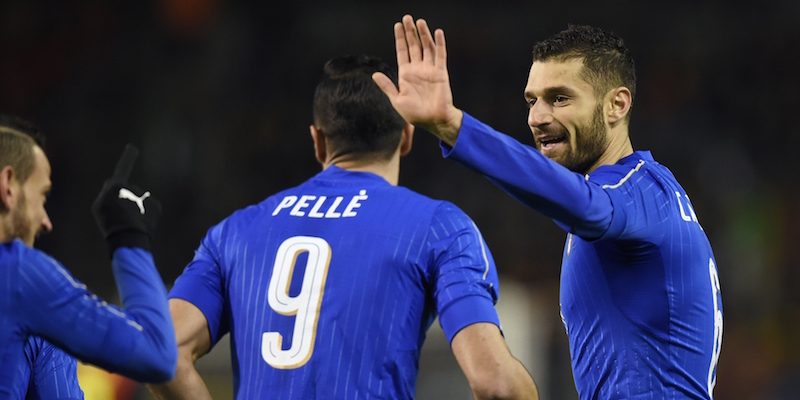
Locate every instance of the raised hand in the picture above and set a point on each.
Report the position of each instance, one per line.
(423, 96)
(125, 214)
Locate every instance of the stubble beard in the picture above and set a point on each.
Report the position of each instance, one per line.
(591, 140)
(19, 227)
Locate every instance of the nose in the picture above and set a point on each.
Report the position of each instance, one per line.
(47, 225)
(540, 113)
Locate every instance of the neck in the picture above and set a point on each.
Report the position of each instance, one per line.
(618, 148)
(389, 170)
(5, 227)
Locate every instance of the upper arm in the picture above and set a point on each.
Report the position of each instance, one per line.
(202, 285)
(191, 329)
(463, 273)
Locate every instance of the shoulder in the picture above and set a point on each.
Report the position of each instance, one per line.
(617, 175)
(20, 255)
(629, 172)
(426, 207)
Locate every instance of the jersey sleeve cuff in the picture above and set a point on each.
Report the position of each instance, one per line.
(465, 312)
(207, 303)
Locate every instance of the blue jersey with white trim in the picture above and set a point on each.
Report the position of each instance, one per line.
(39, 297)
(640, 295)
(328, 288)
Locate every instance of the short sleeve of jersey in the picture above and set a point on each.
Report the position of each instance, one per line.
(202, 284)
(463, 272)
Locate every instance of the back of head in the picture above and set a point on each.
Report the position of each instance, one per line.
(352, 112)
(17, 139)
(607, 63)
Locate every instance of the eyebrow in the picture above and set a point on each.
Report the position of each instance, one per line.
(553, 90)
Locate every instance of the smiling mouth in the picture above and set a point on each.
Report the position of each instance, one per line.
(549, 143)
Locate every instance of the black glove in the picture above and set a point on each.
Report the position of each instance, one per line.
(125, 214)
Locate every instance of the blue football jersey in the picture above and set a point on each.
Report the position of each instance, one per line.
(39, 297)
(640, 295)
(53, 374)
(328, 288)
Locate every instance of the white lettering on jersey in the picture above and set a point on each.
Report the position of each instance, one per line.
(319, 209)
(691, 217)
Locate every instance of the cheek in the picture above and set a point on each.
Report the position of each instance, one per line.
(36, 211)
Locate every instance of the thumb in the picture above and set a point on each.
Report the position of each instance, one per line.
(386, 85)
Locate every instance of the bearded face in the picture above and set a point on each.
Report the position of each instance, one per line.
(591, 140)
(565, 115)
(28, 218)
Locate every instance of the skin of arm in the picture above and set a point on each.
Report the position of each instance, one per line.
(194, 340)
(492, 371)
(423, 96)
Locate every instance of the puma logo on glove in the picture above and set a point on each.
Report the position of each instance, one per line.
(128, 195)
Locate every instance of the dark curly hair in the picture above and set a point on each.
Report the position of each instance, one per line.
(607, 62)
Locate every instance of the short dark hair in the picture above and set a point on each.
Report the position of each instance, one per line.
(17, 139)
(351, 110)
(607, 62)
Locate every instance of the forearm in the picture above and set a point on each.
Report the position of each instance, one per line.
(533, 179)
(194, 341)
(515, 383)
(491, 369)
(509, 380)
(143, 298)
(187, 385)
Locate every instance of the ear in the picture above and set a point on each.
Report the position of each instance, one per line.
(406, 139)
(8, 196)
(620, 100)
(320, 146)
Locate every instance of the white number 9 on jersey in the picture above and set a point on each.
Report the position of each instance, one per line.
(305, 306)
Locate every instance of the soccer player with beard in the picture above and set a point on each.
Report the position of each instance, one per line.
(640, 296)
(42, 305)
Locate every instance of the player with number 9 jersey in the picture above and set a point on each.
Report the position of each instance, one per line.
(328, 288)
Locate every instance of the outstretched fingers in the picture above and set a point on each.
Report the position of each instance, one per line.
(415, 43)
(428, 45)
(441, 50)
(412, 39)
(400, 45)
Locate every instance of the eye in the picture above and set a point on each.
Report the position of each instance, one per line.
(560, 99)
(530, 103)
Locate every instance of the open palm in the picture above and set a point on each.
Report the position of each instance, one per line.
(423, 96)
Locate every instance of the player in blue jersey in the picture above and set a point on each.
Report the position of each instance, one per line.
(48, 372)
(640, 295)
(328, 288)
(42, 301)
